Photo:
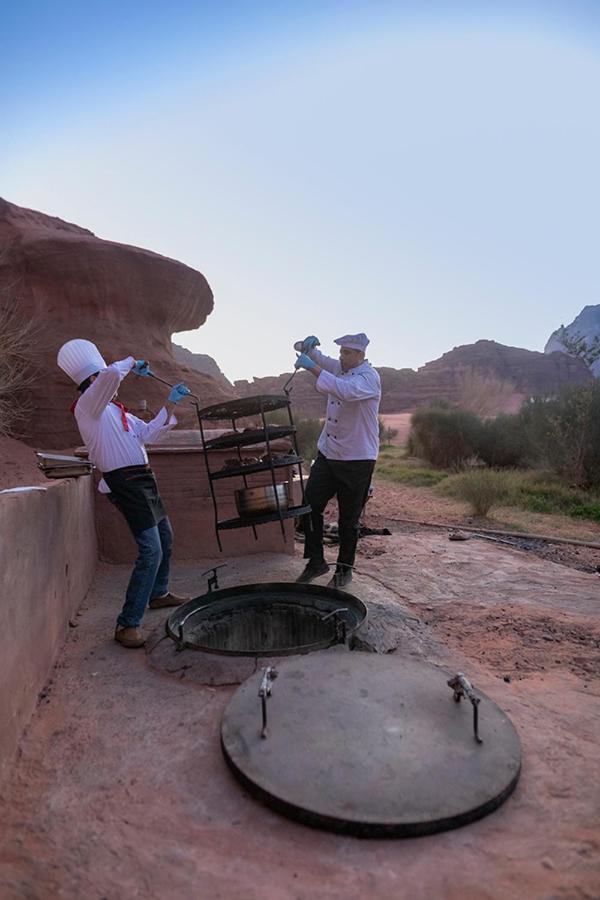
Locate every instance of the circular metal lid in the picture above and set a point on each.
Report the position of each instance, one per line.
(369, 745)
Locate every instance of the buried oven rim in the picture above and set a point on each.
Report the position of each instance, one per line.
(353, 612)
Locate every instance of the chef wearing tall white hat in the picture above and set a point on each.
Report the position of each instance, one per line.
(115, 442)
(348, 448)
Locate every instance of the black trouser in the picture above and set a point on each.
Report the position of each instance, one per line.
(349, 480)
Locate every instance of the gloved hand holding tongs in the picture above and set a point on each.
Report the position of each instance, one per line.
(178, 391)
(303, 360)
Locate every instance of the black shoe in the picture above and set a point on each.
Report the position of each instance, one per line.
(341, 578)
(312, 570)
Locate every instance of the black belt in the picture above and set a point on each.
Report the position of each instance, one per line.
(124, 469)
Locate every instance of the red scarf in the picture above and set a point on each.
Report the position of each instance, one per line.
(123, 409)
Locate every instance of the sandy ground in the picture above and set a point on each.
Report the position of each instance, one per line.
(402, 508)
(121, 791)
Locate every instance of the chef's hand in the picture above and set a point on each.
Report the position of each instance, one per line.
(178, 392)
(309, 343)
(305, 362)
(142, 367)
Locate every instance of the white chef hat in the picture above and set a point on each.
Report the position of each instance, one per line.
(80, 359)
(354, 341)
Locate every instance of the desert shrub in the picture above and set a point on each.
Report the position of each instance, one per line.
(16, 354)
(444, 436)
(564, 433)
(414, 476)
(541, 492)
(505, 443)
(482, 488)
(586, 510)
(547, 498)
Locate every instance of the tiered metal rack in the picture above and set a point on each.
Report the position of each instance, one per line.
(266, 433)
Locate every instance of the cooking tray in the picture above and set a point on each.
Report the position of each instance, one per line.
(56, 465)
(249, 436)
(245, 406)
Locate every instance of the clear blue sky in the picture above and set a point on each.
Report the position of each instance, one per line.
(424, 172)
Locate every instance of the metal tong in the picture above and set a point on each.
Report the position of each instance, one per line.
(190, 396)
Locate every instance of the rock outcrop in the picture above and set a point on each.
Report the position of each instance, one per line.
(529, 372)
(201, 362)
(525, 372)
(129, 301)
(580, 338)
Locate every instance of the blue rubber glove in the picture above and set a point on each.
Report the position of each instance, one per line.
(309, 343)
(304, 362)
(178, 392)
(142, 367)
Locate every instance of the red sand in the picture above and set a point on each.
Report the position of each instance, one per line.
(121, 790)
(18, 465)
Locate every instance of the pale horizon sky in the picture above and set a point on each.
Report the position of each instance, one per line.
(430, 178)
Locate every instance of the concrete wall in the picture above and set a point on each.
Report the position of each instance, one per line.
(48, 556)
(184, 488)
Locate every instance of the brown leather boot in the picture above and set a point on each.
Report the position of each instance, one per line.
(168, 600)
(129, 637)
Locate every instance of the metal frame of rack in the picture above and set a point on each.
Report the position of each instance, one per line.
(240, 409)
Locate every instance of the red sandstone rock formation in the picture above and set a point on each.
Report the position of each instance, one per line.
(530, 372)
(129, 301)
(201, 362)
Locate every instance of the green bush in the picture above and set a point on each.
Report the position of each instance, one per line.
(483, 489)
(564, 433)
(541, 493)
(415, 477)
(586, 511)
(505, 443)
(444, 436)
(560, 433)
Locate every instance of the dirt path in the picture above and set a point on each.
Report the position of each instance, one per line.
(396, 506)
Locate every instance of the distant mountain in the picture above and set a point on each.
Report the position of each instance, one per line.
(520, 373)
(580, 338)
(200, 362)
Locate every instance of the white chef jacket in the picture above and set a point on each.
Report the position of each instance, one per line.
(351, 429)
(101, 425)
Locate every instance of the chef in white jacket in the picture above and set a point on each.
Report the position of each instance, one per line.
(115, 443)
(348, 448)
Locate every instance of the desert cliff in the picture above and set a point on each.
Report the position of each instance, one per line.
(69, 283)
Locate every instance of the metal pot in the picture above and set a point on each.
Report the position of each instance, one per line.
(260, 501)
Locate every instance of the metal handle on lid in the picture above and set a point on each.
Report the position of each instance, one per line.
(462, 687)
(213, 580)
(264, 692)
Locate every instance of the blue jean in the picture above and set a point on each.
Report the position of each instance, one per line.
(150, 576)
